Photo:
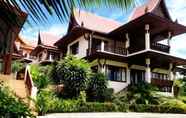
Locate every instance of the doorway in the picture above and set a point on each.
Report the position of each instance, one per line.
(137, 76)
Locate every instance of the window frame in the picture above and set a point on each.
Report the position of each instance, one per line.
(122, 71)
(72, 50)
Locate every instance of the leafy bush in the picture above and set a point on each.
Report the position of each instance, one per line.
(74, 74)
(53, 73)
(45, 101)
(40, 76)
(180, 87)
(10, 106)
(17, 66)
(97, 87)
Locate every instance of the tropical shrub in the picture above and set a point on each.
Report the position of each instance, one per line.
(17, 66)
(74, 74)
(10, 106)
(142, 93)
(180, 87)
(53, 73)
(40, 76)
(97, 87)
(45, 101)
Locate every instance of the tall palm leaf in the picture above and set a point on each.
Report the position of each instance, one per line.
(63, 8)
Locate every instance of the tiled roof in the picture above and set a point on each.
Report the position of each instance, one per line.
(95, 23)
(48, 39)
(29, 43)
(148, 7)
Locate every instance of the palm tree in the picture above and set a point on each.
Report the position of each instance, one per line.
(39, 10)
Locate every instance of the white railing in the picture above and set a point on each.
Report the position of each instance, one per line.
(32, 90)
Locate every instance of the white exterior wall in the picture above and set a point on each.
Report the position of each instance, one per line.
(83, 46)
(117, 86)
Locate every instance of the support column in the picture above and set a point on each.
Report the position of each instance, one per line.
(128, 76)
(102, 46)
(90, 44)
(127, 42)
(171, 75)
(147, 37)
(147, 71)
(169, 38)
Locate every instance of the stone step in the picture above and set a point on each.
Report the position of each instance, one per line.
(17, 86)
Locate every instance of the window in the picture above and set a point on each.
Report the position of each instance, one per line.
(116, 73)
(74, 49)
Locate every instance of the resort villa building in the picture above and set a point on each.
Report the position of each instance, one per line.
(126, 53)
(45, 51)
(24, 47)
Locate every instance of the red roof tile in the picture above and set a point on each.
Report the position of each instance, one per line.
(32, 44)
(139, 11)
(96, 23)
(48, 39)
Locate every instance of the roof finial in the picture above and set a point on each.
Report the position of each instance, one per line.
(146, 9)
(82, 24)
(176, 21)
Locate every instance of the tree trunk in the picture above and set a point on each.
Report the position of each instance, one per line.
(7, 60)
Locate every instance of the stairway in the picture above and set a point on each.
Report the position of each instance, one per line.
(17, 86)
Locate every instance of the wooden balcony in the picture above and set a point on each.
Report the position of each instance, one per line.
(107, 49)
(161, 83)
(160, 47)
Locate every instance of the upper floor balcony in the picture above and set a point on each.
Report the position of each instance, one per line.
(160, 47)
(122, 51)
(107, 47)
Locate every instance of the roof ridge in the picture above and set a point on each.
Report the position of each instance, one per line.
(91, 13)
(150, 5)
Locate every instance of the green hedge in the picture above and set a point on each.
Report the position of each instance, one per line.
(73, 106)
(156, 108)
(98, 107)
(67, 106)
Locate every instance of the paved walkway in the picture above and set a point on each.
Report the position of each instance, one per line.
(113, 115)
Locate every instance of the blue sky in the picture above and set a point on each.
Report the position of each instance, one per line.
(177, 9)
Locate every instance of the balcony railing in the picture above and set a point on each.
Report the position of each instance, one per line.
(161, 80)
(160, 47)
(118, 50)
(109, 49)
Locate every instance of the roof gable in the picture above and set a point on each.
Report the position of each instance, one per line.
(47, 39)
(92, 22)
(157, 7)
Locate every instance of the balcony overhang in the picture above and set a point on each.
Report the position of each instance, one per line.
(157, 57)
(157, 25)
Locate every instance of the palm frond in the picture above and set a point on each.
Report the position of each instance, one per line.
(63, 8)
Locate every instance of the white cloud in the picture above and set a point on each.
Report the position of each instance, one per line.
(56, 29)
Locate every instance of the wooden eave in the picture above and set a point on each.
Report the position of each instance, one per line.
(75, 33)
(40, 48)
(157, 25)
